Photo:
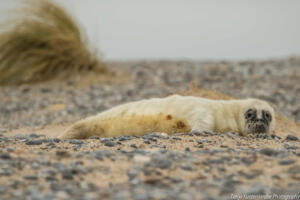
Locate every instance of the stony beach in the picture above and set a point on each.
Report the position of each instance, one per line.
(35, 164)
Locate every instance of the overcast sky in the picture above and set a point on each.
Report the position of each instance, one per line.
(197, 29)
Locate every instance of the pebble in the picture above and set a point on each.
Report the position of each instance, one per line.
(232, 134)
(5, 156)
(34, 135)
(67, 174)
(294, 170)
(125, 138)
(276, 137)
(94, 137)
(287, 162)
(76, 141)
(290, 146)
(110, 143)
(160, 160)
(34, 142)
(292, 138)
(269, 152)
(188, 167)
(175, 138)
(103, 140)
(2, 189)
(133, 146)
(21, 137)
(62, 153)
(56, 140)
(146, 141)
(252, 174)
(132, 173)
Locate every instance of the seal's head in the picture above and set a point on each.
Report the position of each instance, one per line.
(258, 117)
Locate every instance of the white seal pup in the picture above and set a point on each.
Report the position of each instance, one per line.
(177, 114)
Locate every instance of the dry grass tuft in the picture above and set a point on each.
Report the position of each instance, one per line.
(284, 125)
(43, 42)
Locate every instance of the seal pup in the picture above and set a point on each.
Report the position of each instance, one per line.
(177, 114)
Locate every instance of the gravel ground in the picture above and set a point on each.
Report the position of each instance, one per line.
(156, 166)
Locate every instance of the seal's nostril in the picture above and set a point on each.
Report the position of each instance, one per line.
(260, 128)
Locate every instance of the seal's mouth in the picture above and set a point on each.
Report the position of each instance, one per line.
(257, 127)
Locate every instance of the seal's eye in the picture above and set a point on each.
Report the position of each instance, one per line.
(267, 115)
(250, 114)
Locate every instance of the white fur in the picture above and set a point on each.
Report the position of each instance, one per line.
(196, 113)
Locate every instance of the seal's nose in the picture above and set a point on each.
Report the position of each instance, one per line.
(260, 128)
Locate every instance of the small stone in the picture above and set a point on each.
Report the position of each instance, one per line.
(269, 152)
(164, 135)
(249, 160)
(146, 141)
(11, 149)
(152, 139)
(175, 138)
(276, 137)
(232, 134)
(290, 146)
(34, 142)
(50, 178)
(133, 146)
(187, 167)
(76, 142)
(56, 140)
(35, 165)
(199, 142)
(2, 189)
(94, 137)
(125, 138)
(59, 166)
(34, 135)
(63, 153)
(294, 170)
(196, 133)
(263, 136)
(21, 137)
(132, 173)
(67, 174)
(49, 172)
(161, 160)
(252, 174)
(103, 140)
(287, 162)
(4, 156)
(292, 138)
(98, 156)
(110, 143)
(45, 90)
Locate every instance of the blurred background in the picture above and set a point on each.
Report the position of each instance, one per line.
(194, 29)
